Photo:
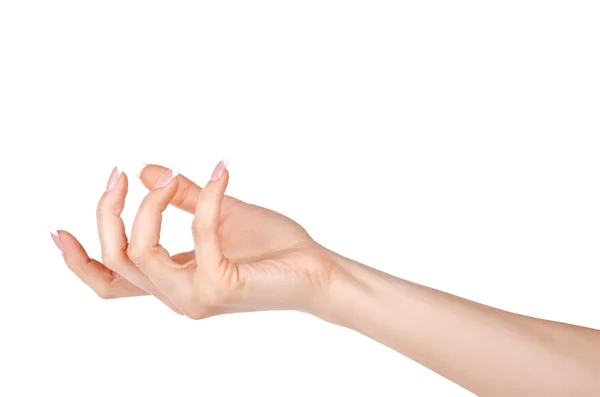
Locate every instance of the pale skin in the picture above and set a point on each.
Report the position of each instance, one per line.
(249, 258)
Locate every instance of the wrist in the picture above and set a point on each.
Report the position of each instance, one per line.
(349, 284)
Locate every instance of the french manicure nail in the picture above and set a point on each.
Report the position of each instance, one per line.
(219, 170)
(114, 178)
(166, 178)
(55, 238)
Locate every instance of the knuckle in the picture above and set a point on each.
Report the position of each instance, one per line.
(109, 260)
(106, 209)
(201, 227)
(136, 253)
(195, 311)
(197, 314)
(100, 211)
(200, 306)
(104, 292)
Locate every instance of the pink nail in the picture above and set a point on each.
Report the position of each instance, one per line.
(219, 170)
(56, 238)
(166, 178)
(114, 178)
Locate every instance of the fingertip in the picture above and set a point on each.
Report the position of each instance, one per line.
(168, 178)
(60, 233)
(112, 200)
(222, 182)
(209, 200)
(140, 169)
(149, 174)
(122, 185)
(69, 242)
(54, 234)
(73, 248)
(117, 181)
(66, 236)
(220, 170)
(164, 191)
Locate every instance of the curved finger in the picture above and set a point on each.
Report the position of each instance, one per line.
(145, 249)
(113, 240)
(103, 281)
(111, 229)
(186, 197)
(206, 221)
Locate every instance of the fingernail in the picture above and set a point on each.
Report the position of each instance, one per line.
(166, 178)
(219, 170)
(114, 178)
(55, 238)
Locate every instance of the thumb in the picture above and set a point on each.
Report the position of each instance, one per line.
(186, 196)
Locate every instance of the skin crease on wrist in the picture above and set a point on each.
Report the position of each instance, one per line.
(249, 258)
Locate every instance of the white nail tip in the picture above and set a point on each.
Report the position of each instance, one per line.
(175, 172)
(225, 161)
(52, 230)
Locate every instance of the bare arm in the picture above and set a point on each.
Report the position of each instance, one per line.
(487, 351)
(248, 258)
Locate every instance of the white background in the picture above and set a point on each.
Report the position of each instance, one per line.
(454, 144)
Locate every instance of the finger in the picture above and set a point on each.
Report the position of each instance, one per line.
(113, 240)
(187, 193)
(206, 221)
(98, 277)
(111, 230)
(183, 257)
(145, 249)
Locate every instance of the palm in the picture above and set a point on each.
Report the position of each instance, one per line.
(271, 252)
(249, 232)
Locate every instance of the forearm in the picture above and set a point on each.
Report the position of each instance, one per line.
(488, 351)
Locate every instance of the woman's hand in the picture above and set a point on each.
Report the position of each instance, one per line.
(249, 258)
(245, 258)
